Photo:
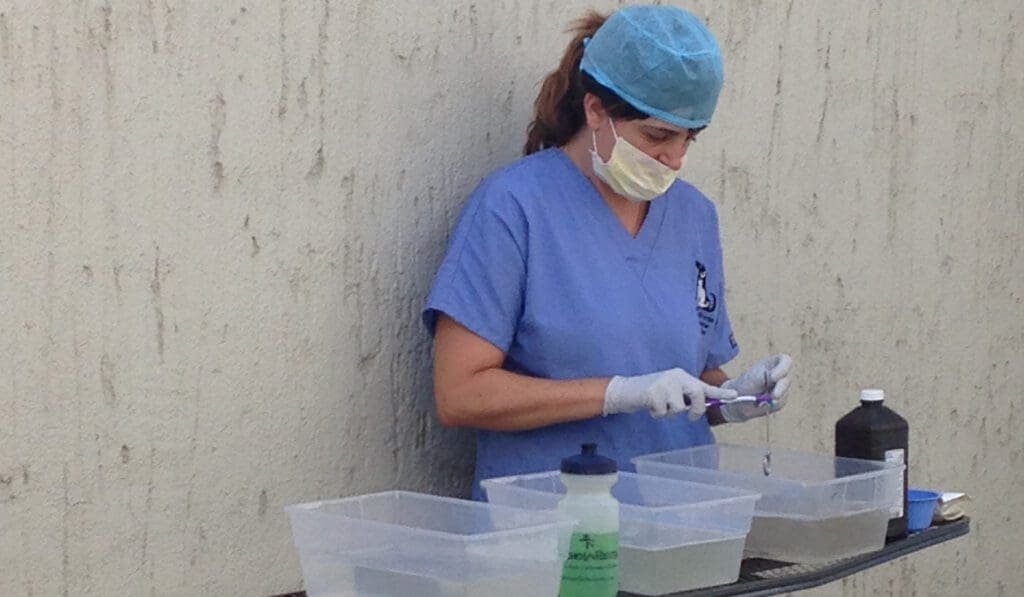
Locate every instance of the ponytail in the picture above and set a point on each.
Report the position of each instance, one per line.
(558, 110)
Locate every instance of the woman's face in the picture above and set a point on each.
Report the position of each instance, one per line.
(662, 141)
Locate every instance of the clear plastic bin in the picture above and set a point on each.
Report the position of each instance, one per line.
(674, 536)
(814, 507)
(403, 543)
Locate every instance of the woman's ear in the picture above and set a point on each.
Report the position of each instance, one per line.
(594, 111)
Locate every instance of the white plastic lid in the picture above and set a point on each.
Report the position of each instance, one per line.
(872, 395)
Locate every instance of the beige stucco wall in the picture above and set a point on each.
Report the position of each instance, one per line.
(218, 221)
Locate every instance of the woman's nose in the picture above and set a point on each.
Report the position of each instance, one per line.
(673, 157)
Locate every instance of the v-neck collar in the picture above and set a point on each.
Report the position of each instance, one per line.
(636, 249)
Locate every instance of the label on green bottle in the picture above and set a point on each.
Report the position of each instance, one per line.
(592, 568)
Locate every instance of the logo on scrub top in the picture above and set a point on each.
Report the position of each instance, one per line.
(705, 300)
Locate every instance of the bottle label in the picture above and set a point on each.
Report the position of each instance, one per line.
(897, 456)
(592, 568)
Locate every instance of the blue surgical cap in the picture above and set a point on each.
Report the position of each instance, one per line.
(662, 60)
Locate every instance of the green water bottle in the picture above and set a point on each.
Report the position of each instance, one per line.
(592, 568)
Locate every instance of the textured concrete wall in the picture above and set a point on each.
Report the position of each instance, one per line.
(219, 220)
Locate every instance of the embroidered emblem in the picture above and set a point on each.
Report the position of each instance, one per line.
(706, 301)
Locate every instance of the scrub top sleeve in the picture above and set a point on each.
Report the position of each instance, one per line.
(723, 347)
(481, 280)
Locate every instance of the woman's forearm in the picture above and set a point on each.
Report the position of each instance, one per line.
(473, 390)
(499, 400)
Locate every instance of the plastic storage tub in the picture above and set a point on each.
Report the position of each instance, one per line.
(402, 543)
(673, 536)
(814, 507)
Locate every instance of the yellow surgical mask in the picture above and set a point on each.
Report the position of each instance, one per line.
(630, 172)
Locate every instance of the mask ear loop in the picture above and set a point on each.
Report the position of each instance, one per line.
(593, 137)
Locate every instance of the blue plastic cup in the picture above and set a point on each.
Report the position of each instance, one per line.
(920, 508)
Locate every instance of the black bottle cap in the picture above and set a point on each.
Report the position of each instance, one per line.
(589, 462)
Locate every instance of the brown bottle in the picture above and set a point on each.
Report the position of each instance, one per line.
(873, 431)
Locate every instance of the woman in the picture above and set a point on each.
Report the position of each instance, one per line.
(582, 295)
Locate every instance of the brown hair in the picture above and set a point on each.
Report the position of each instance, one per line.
(558, 110)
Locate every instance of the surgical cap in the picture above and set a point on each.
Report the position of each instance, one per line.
(662, 60)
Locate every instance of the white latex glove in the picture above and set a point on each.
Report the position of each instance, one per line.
(768, 376)
(662, 393)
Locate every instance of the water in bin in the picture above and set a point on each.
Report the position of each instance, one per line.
(814, 507)
(403, 543)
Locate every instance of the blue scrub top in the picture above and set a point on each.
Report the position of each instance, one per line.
(539, 266)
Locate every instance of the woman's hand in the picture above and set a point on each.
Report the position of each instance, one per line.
(772, 375)
(663, 393)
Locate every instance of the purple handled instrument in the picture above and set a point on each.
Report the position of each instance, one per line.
(762, 399)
